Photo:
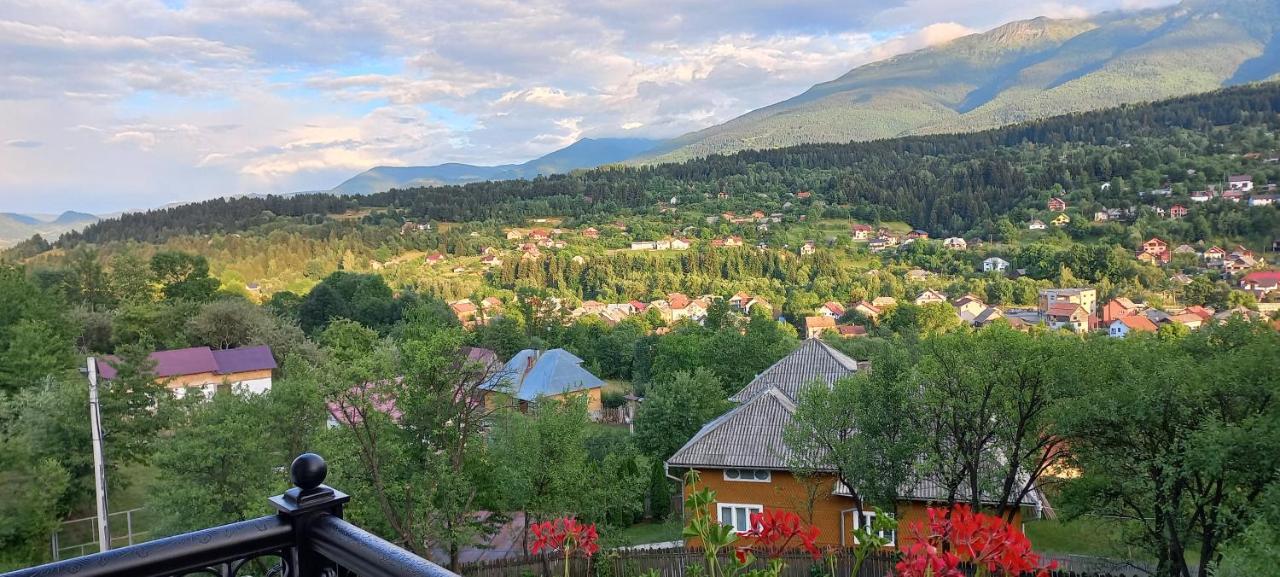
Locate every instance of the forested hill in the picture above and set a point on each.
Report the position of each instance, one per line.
(1019, 71)
(941, 183)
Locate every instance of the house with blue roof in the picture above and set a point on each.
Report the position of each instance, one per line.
(532, 373)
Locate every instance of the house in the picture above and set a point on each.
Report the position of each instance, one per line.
(1215, 253)
(1070, 316)
(1232, 195)
(465, 310)
(1085, 297)
(1155, 246)
(968, 307)
(530, 251)
(1101, 216)
(1060, 220)
(435, 258)
(1122, 326)
(1181, 278)
(995, 264)
(808, 248)
(1240, 182)
(815, 326)
(532, 374)
(1201, 196)
(1177, 211)
(591, 232)
(1261, 283)
(1185, 249)
(514, 234)
(955, 243)
(987, 316)
(930, 296)
(644, 245)
(1189, 320)
(1118, 308)
(884, 302)
(851, 331)
(803, 194)
(742, 457)
(1056, 204)
(491, 304)
(867, 309)
(491, 260)
(831, 309)
(1202, 312)
(679, 244)
(243, 369)
(1155, 259)
(539, 234)
(1262, 199)
(917, 234)
(861, 231)
(732, 241)
(1036, 225)
(1237, 263)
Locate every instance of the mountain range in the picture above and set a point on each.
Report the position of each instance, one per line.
(1017, 72)
(585, 153)
(15, 227)
(1020, 71)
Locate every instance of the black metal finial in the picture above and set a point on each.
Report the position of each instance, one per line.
(308, 471)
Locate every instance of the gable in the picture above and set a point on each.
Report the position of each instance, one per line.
(812, 361)
(749, 436)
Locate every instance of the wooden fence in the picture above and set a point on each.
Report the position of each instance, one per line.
(672, 563)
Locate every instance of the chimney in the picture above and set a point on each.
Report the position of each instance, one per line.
(529, 362)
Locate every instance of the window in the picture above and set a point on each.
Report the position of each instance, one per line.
(738, 516)
(867, 518)
(749, 475)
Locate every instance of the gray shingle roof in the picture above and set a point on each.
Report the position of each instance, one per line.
(749, 435)
(812, 360)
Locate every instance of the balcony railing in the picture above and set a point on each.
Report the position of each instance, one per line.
(306, 538)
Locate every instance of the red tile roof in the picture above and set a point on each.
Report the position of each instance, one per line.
(1138, 323)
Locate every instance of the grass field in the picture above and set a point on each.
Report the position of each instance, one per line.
(643, 533)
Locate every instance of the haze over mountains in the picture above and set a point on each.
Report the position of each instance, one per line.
(585, 153)
(16, 227)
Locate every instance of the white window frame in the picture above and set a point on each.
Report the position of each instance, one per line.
(768, 475)
(733, 509)
(867, 516)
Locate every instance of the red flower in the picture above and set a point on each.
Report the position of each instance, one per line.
(985, 540)
(565, 534)
(775, 530)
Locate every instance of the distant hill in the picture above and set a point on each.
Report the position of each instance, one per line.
(585, 153)
(15, 227)
(1020, 71)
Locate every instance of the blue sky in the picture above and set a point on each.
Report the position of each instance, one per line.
(117, 104)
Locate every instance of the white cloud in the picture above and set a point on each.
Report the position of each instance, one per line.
(212, 97)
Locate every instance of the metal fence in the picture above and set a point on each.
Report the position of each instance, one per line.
(77, 537)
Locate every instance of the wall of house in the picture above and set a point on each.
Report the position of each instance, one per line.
(594, 404)
(255, 381)
(812, 500)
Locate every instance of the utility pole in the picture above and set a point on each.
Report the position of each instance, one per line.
(99, 465)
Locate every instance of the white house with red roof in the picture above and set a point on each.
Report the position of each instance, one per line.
(1261, 283)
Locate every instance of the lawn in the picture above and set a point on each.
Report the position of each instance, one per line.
(1085, 536)
(642, 533)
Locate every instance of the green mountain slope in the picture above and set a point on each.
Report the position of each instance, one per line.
(1020, 71)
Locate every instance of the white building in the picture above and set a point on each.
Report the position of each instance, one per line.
(996, 264)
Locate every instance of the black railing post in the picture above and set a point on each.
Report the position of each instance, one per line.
(307, 501)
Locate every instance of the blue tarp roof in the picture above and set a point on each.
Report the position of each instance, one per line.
(554, 372)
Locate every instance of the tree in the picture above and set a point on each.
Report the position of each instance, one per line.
(673, 410)
(183, 276)
(35, 350)
(539, 460)
(217, 465)
(33, 487)
(985, 408)
(859, 428)
(1178, 436)
(130, 279)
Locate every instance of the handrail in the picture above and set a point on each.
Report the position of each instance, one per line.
(366, 554)
(307, 534)
(179, 553)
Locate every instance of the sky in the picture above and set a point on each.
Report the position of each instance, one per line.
(108, 105)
